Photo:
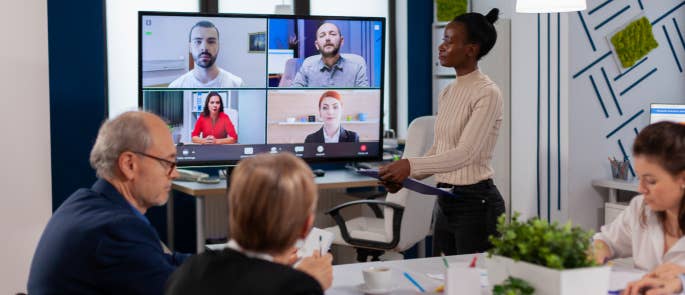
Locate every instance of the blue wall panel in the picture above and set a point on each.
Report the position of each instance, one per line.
(76, 43)
(420, 52)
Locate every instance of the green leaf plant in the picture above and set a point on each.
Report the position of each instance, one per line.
(634, 42)
(513, 286)
(448, 9)
(538, 242)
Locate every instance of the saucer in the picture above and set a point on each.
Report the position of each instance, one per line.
(362, 287)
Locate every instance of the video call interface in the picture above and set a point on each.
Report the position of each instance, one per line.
(233, 86)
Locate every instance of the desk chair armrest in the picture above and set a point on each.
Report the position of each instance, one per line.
(398, 211)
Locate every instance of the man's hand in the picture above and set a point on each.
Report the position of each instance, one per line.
(319, 267)
(395, 172)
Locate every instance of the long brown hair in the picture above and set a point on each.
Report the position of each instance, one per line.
(664, 143)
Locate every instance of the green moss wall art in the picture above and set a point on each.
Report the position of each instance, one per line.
(448, 9)
(633, 42)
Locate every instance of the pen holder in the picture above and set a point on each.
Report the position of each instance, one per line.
(619, 169)
(462, 280)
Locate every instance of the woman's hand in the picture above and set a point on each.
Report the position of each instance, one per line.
(395, 172)
(209, 140)
(600, 252)
(288, 258)
(319, 267)
(654, 286)
(391, 187)
(664, 279)
(666, 270)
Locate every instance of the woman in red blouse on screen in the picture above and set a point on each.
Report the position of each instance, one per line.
(213, 126)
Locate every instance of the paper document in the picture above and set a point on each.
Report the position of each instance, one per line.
(413, 184)
(317, 240)
(620, 277)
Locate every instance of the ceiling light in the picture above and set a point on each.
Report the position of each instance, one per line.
(549, 6)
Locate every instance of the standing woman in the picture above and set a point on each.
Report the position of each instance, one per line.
(466, 129)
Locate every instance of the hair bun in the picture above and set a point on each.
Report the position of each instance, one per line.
(492, 16)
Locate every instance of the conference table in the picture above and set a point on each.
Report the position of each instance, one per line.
(333, 179)
(347, 278)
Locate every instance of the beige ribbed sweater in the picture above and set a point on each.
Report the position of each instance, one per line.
(466, 129)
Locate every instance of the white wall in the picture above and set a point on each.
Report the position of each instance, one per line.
(582, 128)
(25, 177)
(589, 146)
(122, 48)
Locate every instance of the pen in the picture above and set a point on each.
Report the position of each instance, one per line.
(406, 275)
(320, 247)
(447, 265)
(473, 261)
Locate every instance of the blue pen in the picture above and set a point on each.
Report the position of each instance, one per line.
(406, 275)
(615, 292)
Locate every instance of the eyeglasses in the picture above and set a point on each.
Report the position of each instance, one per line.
(164, 162)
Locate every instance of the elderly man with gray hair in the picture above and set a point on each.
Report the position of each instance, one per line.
(99, 240)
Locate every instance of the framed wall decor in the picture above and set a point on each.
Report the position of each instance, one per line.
(257, 42)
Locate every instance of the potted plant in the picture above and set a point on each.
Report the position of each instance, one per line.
(552, 258)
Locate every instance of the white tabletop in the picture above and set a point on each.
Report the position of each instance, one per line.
(347, 278)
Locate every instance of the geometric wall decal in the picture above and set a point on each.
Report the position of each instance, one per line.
(633, 42)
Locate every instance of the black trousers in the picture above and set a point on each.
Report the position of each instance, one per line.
(463, 224)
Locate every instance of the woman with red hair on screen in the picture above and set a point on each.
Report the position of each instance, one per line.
(330, 112)
(213, 126)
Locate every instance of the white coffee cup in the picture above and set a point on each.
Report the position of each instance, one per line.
(377, 278)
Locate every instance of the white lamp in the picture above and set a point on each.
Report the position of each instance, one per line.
(548, 6)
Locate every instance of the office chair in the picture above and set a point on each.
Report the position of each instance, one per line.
(407, 215)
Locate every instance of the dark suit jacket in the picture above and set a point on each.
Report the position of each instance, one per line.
(232, 273)
(96, 244)
(345, 136)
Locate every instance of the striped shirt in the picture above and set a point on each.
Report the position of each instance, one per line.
(466, 129)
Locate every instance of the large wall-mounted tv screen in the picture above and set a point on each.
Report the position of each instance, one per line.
(232, 86)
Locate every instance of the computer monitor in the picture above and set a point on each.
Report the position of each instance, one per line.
(232, 86)
(667, 112)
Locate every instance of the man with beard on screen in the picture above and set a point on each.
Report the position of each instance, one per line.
(329, 68)
(204, 47)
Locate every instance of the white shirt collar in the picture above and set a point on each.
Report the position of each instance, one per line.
(232, 244)
(334, 139)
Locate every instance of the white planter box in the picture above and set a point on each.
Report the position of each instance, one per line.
(548, 281)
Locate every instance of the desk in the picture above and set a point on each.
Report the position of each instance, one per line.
(333, 179)
(348, 277)
(612, 207)
(614, 185)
